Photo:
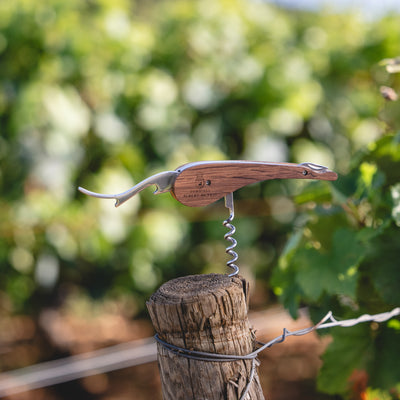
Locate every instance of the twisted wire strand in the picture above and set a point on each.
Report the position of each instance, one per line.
(122, 356)
(323, 324)
(328, 321)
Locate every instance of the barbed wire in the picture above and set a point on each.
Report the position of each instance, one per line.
(139, 352)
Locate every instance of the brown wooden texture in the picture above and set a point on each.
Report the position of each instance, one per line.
(205, 313)
(202, 183)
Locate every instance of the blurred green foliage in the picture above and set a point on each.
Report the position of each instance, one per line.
(345, 258)
(103, 94)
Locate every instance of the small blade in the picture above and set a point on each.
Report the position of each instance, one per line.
(229, 204)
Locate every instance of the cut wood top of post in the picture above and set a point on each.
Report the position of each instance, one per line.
(186, 310)
(190, 288)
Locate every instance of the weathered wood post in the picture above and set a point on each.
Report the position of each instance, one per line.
(205, 313)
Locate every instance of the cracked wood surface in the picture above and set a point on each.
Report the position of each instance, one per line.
(204, 313)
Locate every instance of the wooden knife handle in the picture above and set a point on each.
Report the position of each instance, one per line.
(201, 183)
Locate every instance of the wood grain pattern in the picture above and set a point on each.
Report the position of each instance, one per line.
(203, 183)
(204, 313)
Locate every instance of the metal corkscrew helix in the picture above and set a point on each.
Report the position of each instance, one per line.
(228, 236)
(201, 183)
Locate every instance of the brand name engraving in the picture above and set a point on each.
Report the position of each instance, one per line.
(197, 193)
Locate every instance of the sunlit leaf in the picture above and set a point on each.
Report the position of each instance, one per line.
(333, 272)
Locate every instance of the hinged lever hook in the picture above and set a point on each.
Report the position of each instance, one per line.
(163, 181)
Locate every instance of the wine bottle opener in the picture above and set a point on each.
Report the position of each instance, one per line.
(199, 184)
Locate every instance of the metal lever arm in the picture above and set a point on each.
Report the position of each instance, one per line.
(163, 181)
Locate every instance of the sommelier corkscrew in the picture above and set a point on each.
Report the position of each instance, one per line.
(201, 183)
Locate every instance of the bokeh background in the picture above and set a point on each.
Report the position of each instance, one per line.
(103, 94)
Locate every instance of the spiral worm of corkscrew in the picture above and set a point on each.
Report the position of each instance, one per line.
(228, 236)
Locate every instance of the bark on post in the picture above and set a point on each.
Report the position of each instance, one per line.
(205, 313)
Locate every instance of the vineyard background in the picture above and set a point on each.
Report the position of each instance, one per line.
(102, 94)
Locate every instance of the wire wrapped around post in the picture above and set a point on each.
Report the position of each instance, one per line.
(202, 333)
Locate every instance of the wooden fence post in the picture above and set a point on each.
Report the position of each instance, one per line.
(205, 313)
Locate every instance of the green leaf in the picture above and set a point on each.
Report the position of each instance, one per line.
(368, 171)
(333, 272)
(347, 352)
(284, 277)
(313, 273)
(318, 191)
(382, 264)
(377, 394)
(290, 249)
(386, 154)
(384, 368)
